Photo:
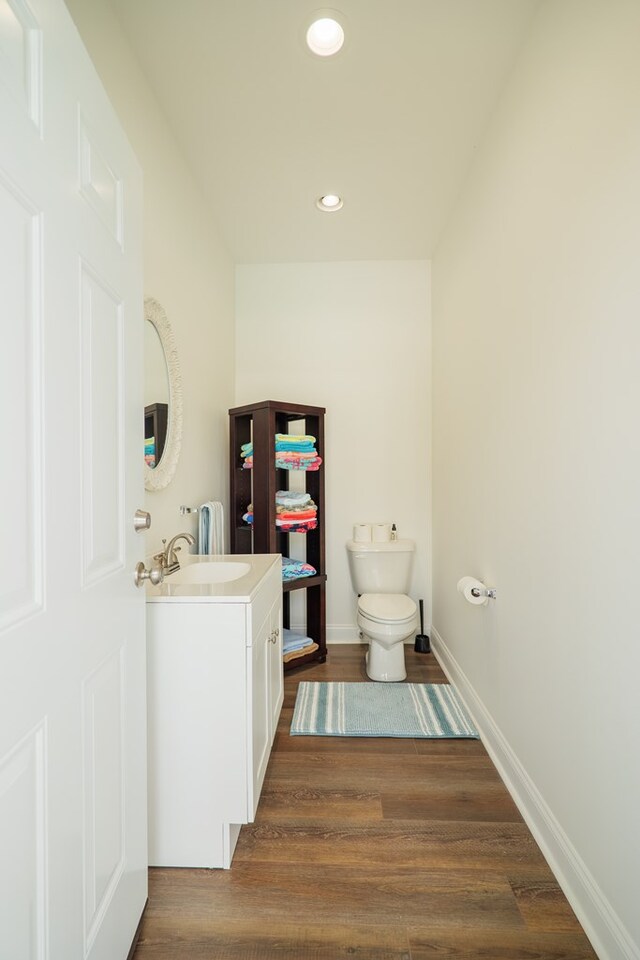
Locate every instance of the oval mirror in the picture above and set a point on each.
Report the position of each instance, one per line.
(162, 398)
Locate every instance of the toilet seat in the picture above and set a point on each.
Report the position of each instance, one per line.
(387, 607)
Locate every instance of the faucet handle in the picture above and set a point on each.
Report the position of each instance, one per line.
(163, 553)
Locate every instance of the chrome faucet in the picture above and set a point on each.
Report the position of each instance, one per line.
(168, 558)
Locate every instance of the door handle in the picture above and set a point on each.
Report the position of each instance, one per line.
(155, 574)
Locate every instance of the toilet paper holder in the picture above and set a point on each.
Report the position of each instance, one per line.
(489, 592)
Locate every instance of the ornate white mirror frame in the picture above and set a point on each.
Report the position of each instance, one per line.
(162, 474)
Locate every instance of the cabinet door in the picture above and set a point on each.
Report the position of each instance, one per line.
(260, 730)
(276, 672)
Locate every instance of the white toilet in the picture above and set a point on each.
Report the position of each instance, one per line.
(380, 574)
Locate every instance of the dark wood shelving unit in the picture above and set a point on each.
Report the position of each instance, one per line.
(259, 422)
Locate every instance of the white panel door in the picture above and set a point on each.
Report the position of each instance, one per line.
(72, 655)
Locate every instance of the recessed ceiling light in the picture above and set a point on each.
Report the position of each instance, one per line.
(325, 37)
(329, 203)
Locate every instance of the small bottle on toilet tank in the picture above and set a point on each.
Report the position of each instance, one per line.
(394, 532)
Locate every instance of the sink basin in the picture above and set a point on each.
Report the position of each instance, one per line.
(209, 571)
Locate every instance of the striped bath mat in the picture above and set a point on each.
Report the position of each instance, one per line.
(380, 710)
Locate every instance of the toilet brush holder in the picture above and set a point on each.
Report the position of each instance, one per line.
(422, 644)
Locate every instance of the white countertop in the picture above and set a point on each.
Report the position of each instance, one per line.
(241, 590)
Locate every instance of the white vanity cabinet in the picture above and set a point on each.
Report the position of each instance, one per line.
(215, 691)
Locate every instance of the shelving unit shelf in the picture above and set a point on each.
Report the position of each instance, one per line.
(259, 422)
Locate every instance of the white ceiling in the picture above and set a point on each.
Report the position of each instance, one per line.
(390, 123)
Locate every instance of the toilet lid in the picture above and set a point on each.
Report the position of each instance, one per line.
(383, 607)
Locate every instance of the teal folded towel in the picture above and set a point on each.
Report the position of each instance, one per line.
(294, 569)
(298, 447)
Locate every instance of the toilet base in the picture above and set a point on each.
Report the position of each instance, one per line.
(385, 664)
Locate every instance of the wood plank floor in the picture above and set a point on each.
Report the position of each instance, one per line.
(370, 849)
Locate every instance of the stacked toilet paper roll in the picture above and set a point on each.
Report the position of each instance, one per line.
(366, 532)
(380, 532)
(362, 532)
(467, 584)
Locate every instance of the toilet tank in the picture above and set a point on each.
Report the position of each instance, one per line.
(381, 567)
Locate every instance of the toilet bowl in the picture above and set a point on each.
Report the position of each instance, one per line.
(387, 616)
(386, 620)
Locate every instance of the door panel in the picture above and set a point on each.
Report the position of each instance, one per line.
(104, 788)
(21, 50)
(102, 403)
(99, 184)
(20, 252)
(23, 879)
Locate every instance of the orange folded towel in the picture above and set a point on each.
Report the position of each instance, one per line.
(299, 653)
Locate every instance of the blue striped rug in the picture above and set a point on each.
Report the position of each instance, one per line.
(380, 710)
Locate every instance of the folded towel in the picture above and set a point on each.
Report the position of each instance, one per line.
(289, 464)
(296, 516)
(295, 522)
(297, 447)
(295, 654)
(303, 527)
(294, 438)
(288, 454)
(294, 569)
(289, 498)
(294, 641)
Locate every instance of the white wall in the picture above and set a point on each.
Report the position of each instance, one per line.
(536, 344)
(186, 269)
(355, 338)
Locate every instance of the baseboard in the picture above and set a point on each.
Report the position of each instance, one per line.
(609, 937)
(339, 634)
(347, 633)
(343, 633)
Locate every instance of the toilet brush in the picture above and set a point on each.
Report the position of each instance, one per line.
(422, 644)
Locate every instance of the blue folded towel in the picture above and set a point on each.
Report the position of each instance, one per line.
(294, 641)
(289, 498)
